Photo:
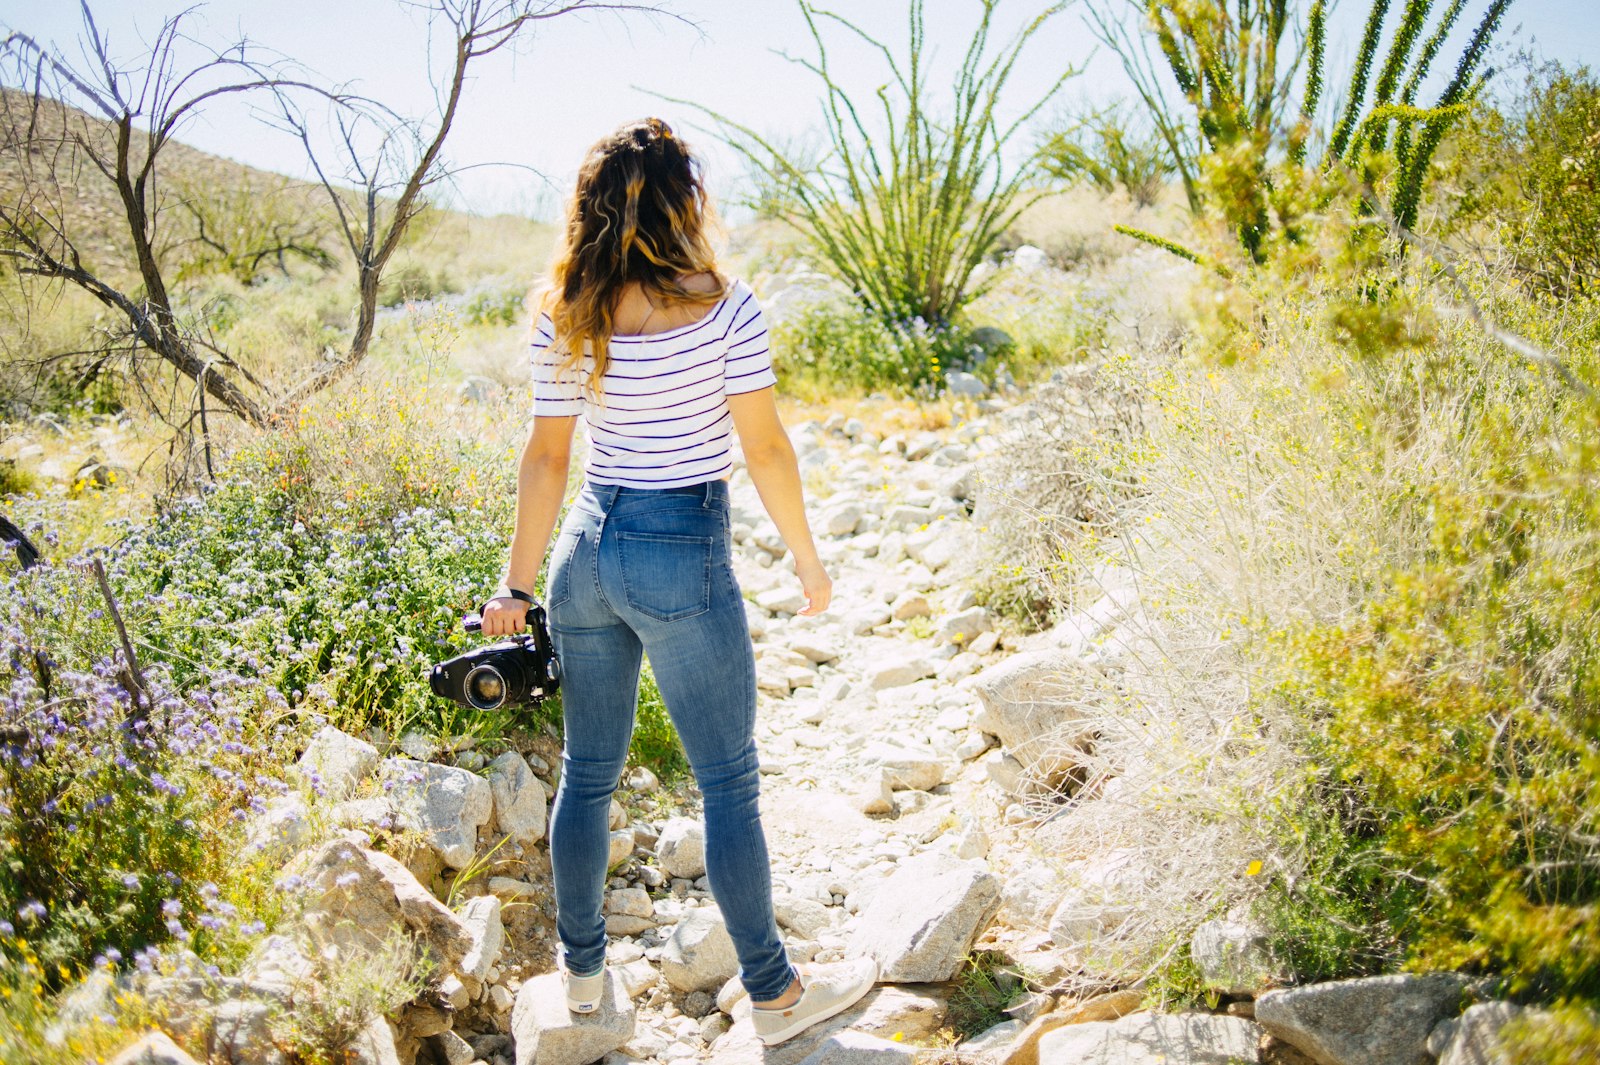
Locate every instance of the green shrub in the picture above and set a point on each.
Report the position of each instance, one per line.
(494, 308)
(655, 742)
(1105, 149)
(118, 822)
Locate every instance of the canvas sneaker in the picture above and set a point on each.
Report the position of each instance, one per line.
(583, 992)
(823, 993)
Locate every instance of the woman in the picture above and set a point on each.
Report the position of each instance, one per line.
(664, 357)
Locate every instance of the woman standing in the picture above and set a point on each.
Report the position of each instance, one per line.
(665, 358)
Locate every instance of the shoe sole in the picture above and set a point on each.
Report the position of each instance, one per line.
(801, 1025)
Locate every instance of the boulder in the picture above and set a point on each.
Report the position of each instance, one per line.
(153, 1048)
(629, 902)
(699, 955)
(442, 803)
(681, 848)
(1024, 1049)
(924, 917)
(806, 918)
(992, 1041)
(337, 761)
(1030, 895)
(1378, 1020)
(1474, 1037)
(908, 1016)
(356, 896)
(545, 1032)
(1100, 894)
(620, 847)
(906, 768)
(1154, 1039)
(519, 799)
(481, 917)
(896, 673)
(1034, 703)
(282, 828)
(859, 1048)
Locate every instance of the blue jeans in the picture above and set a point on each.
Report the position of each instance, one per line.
(649, 571)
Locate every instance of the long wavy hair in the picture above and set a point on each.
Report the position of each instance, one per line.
(639, 213)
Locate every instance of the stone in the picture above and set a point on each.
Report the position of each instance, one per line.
(906, 768)
(1004, 771)
(681, 848)
(637, 976)
(804, 917)
(1100, 894)
(620, 844)
(782, 600)
(962, 626)
(277, 959)
(1033, 703)
(1031, 894)
(730, 995)
(622, 924)
(992, 1040)
(452, 1049)
(376, 1045)
(545, 1032)
(1474, 1037)
(1104, 1007)
(509, 889)
(337, 760)
(899, 672)
(910, 605)
(633, 902)
(446, 805)
(876, 795)
(481, 916)
(1377, 1020)
(859, 1048)
(519, 799)
(962, 383)
(924, 917)
(1233, 955)
(842, 519)
(697, 1004)
(356, 896)
(1154, 1039)
(952, 544)
(642, 780)
(500, 998)
(241, 1030)
(699, 955)
(153, 1048)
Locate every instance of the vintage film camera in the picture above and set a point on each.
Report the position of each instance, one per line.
(520, 670)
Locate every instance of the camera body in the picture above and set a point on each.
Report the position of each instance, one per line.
(521, 670)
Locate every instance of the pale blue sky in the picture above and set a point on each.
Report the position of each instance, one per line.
(581, 76)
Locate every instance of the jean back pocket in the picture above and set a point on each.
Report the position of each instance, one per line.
(666, 576)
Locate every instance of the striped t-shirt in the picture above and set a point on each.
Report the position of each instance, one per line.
(663, 421)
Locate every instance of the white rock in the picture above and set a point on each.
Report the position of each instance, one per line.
(961, 627)
(620, 847)
(519, 799)
(454, 1049)
(1234, 955)
(897, 673)
(992, 1040)
(444, 804)
(1154, 1039)
(681, 849)
(910, 605)
(804, 917)
(634, 902)
(547, 1033)
(699, 955)
(1034, 702)
(1378, 1020)
(842, 519)
(1475, 1035)
(1004, 771)
(907, 768)
(481, 916)
(782, 600)
(338, 760)
(850, 1047)
(924, 917)
(637, 977)
(153, 1048)
(282, 828)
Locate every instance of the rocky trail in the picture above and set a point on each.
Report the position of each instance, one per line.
(912, 751)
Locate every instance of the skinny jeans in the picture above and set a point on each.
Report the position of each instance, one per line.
(639, 571)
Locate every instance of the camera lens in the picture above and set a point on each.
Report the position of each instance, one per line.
(485, 687)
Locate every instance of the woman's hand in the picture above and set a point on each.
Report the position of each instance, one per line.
(504, 616)
(817, 585)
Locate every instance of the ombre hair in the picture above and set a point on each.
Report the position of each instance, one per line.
(639, 213)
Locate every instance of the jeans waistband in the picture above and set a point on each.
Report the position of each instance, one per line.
(710, 493)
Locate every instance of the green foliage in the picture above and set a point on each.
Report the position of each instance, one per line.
(655, 742)
(494, 308)
(1106, 150)
(984, 988)
(330, 1006)
(31, 1027)
(1236, 67)
(1568, 1034)
(1532, 171)
(118, 820)
(904, 215)
(831, 343)
(413, 281)
(248, 228)
(333, 561)
(14, 480)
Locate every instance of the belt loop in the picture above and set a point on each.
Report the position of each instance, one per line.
(707, 493)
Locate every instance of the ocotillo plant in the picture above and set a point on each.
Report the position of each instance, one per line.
(905, 212)
(1238, 65)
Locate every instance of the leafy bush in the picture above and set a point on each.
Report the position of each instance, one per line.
(116, 817)
(1106, 150)
(1532, 170)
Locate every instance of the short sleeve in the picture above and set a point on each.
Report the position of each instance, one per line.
(552, 397)
(749, 362)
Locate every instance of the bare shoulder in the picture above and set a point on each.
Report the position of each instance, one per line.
(705, 281)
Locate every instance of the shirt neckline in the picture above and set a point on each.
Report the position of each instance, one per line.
(637, 338)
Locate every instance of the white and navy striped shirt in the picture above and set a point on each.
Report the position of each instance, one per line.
(663, 421)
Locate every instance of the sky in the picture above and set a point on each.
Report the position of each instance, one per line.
(577, 77)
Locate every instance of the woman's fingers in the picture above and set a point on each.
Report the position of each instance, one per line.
(504, 617)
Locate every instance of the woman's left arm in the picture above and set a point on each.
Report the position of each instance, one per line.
(541, 486)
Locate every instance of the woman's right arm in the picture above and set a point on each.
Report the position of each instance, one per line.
(541, 486)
